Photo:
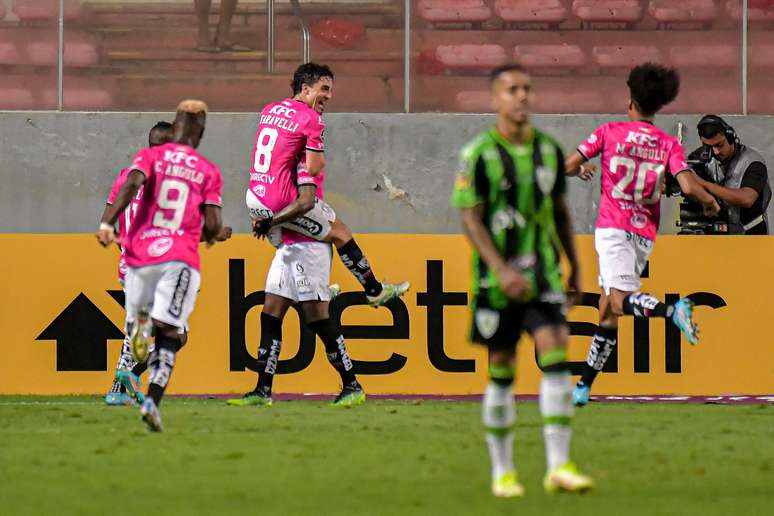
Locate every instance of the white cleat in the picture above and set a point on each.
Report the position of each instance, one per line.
(151, 415)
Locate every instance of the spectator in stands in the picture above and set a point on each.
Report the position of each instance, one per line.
(221, 42)
(741, 177)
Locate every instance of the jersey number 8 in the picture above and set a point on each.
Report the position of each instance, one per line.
(264, 145)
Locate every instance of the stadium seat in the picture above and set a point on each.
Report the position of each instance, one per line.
(625, 57)
(762, 56)
(757, 10)
(575, 99)
(686, 11)
(474, 101)
(80, 94)
(609, 11)
(454, 11)
(10, 47)
(80, 50)
(17, 97)
(550, 58)
(551, 12)
(34, 10)
(710, 58)
(339, 32)
(470, 58)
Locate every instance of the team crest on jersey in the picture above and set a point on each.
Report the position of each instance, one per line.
(546, 178)
(638, 220)
(160, 246)
(487, 322)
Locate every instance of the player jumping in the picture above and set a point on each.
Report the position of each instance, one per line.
(181, 201)
(511, 194)
(290, 132)
(635, 156)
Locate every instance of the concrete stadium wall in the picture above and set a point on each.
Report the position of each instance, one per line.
(387, 173)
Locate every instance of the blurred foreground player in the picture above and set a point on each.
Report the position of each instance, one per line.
(635, 157)
(127, 370)
(180, 204)
(511, 194)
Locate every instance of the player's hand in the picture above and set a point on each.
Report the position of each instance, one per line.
(106, 235)
(513, 283)
(587, 171)
(712, 209)
(575, 290)
(261, 227)
(225, 234)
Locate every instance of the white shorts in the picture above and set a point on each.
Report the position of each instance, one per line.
(316, 223)
(622, 258)
(168, 289)
(301, 272)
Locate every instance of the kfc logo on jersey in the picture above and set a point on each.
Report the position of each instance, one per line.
(160, 247)
(283, 111)
(178, 157)
(638, 138)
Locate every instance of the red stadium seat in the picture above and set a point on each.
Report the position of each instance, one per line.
(550, 58)
(474, 101)
(685, 11)
(762, 56)
(11, 42)
(572, 100)
(625, 57)
(80, 50)
(710, 58)
(531, 11)
(15, 95)
(454, 11)
(757, 10)
(32, 10)
(616, 11)
(339, 32)
(470, 58)
(81, 95)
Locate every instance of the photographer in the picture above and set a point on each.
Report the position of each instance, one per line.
(737, 176)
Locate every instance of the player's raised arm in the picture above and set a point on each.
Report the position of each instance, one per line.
(134, 180)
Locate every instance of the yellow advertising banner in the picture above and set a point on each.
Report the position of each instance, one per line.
(62, 316)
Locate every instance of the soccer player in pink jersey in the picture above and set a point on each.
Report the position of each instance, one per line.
(160, 134)
(635, 156)
(181, 202)
(289, 132)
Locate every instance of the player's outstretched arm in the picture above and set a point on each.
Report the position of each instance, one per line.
(513, 283)
(575, 166)
(567, 238)
(691, 187)
(106, 233)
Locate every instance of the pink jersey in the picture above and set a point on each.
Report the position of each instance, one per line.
(125, 220)
(168, 224)
(285, 131)
(635, 156)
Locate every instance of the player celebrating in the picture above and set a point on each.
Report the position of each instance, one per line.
(180, 189)
(289, 133)
(160, 134)
(635, 156)
(511, 194)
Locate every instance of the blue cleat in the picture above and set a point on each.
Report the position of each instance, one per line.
(682, 316)
(132, 384)
(580, 396)
(115, 399)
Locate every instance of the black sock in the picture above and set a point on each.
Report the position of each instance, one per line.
(336, 350)
(645, 305)
(268, 352)
(140, 367)
(161, 362)
(602, 345)
(352, 256)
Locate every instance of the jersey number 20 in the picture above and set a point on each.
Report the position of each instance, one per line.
(638, 175)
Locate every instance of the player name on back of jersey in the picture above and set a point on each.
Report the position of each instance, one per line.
(643, 146)
(179, 164)
(282, 117)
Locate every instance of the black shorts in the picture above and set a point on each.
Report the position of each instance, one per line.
(501, 329)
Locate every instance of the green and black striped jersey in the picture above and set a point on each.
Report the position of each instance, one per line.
(516, 185)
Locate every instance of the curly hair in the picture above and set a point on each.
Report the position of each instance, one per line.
(652, 87)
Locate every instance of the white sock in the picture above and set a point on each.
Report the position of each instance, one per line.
(498, 413)
(557, 409)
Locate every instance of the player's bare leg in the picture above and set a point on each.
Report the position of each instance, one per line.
(354, 259)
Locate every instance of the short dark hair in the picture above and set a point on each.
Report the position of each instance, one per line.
(309, 74)
(160, 133)
(710, 126)
(652, 87)
(162, 126)
(497, 72)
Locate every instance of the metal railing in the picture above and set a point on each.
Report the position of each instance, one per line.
(305, 34)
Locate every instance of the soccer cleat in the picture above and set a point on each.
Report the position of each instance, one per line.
(580, 396)
(389, 291)
(132, 384)
(252, 398)
(508, 485)
(334, 290)
(682, 316)
(115, 399)
(568, 479)
(139, 337)
(350, 396)
(151, 415)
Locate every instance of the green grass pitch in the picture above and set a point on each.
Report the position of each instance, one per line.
(73, 455)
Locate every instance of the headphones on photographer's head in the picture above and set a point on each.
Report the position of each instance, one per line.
(728, 131)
